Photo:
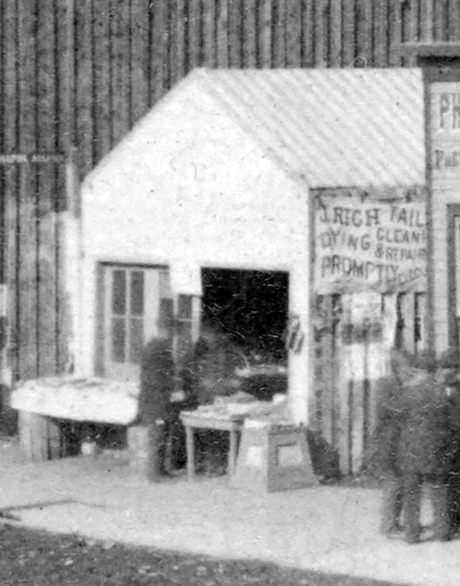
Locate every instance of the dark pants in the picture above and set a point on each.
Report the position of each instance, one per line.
(158, 438)
(454, 501)
(392, 503)
(212, 451)
(412, 499)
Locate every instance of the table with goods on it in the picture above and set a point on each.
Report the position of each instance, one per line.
(229, 414)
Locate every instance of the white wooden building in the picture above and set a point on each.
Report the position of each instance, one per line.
(232, 171)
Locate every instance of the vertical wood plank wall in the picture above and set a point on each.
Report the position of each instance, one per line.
(126, 54)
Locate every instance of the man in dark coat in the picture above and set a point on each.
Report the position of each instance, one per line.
(425, 445)
(390, 422)
(209, 371)
(155, 407)
(449, 376)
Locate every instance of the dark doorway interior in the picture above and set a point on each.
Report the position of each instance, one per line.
(250, 308)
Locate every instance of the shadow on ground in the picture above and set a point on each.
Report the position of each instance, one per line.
(42, 559)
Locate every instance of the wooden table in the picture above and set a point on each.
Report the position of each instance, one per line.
(194, 420)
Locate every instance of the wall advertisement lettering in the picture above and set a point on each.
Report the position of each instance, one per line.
(368, 245)
(445, 129)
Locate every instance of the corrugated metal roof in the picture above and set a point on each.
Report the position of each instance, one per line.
(330, 127)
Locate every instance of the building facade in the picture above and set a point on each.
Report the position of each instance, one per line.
(76, 76)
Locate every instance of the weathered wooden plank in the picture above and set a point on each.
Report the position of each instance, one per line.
(414, 34)
(9, 77)
(120, 69)
(47, 277)
(65, 74)
(279, 33)
(235, 27)
(264, 34)
(173, 49)
(3, 26)
(320, 33)
(364, 24)
(27, 236)
(381, 33)
(439, 28)
(406, 30)
(9, 98)
(308, 34)
(45, 96)
(139, 51)
(64, 40)
(26, 259)
(84, 84)
(454, 21)
(222, 34)
(27, 71)
(194, 34)
(102, 81)
(45, 186)
(249, 34)
(326, 378)
(127, 36)
(294, 33)
(357, 416)
(209, 33)
(336, 47)
(394, 34)
(429, 21)
(12, 215)
(349, 46)
(180, 39)
(158, 49)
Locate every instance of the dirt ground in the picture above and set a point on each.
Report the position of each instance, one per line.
(41, 559)
(106, 526)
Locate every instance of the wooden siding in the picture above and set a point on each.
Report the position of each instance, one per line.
(84, 71)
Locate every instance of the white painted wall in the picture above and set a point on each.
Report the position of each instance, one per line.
(189, 185)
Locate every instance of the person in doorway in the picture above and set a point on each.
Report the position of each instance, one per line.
(155, 407)
(425, 447)
(448, 375)
(390, 422)
(208, 373)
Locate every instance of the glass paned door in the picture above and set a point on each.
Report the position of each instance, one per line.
(136, 298)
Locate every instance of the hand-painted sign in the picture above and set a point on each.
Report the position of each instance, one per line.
(445, 128)
(369, 245)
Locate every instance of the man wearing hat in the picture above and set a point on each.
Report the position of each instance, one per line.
(425, 447)
(390, 422)
(448, 373)
(155, 406)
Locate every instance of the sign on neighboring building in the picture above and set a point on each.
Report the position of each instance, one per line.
(364, 245)
(445, 129)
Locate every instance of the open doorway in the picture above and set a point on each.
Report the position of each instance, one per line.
(250, 308)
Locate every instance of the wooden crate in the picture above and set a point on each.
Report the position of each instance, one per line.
(273, 458)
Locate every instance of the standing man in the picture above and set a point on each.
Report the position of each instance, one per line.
(155, 407)
(425, 448)
(391, 420)
(448, 375)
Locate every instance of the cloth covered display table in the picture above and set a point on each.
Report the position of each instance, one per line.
(79, 399)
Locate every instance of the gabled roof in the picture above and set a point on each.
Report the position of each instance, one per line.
(330, 127)
(323, 127)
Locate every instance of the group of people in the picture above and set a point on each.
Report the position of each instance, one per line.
(418, 441)
(172, 382)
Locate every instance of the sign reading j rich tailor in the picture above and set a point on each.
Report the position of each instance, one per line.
(445, 128)
(368, 245)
